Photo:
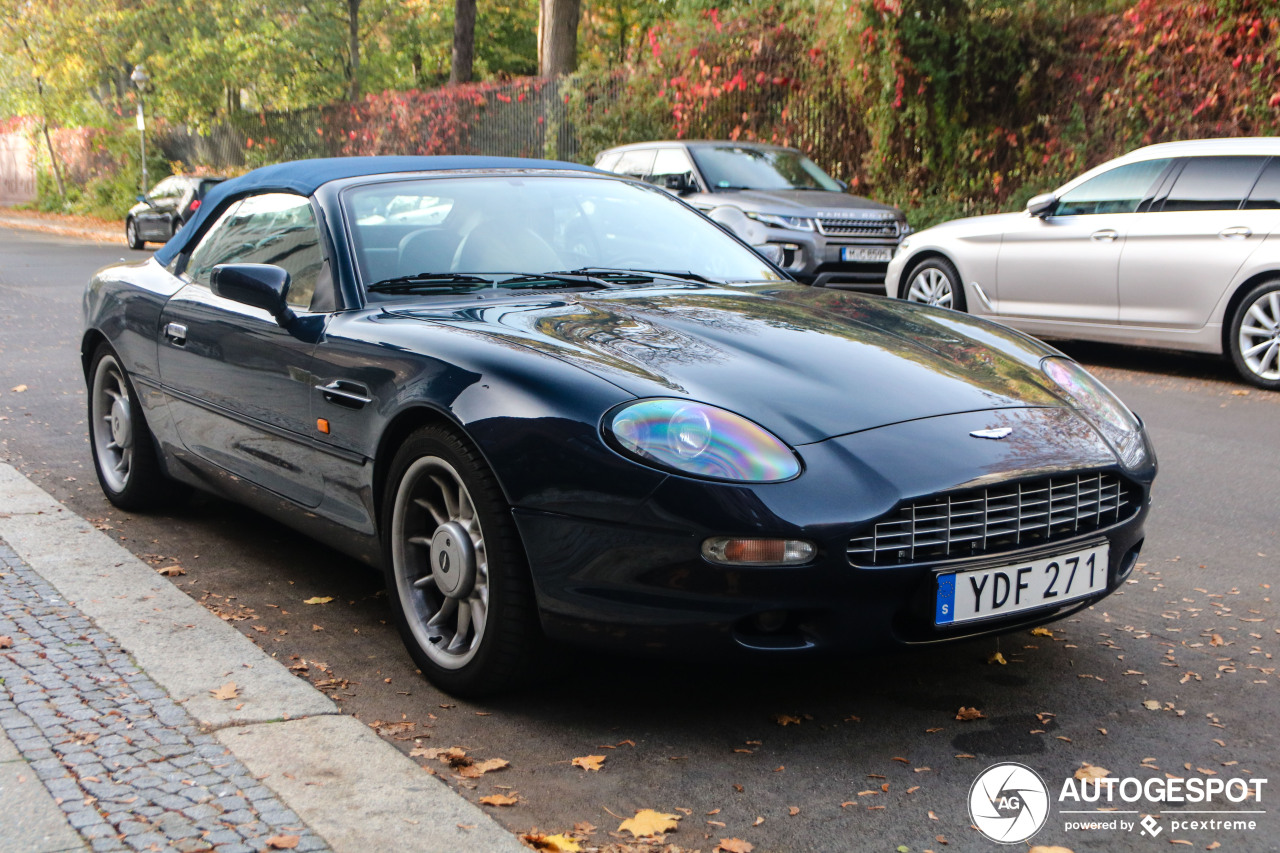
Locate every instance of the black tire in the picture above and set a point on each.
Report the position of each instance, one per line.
(1253, 336)
(131, 235)
(442, 559)
(124, 452)
(933, 281)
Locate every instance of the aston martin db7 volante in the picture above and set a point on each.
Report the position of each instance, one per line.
(552, 402)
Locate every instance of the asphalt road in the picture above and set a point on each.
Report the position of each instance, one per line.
(860, 754)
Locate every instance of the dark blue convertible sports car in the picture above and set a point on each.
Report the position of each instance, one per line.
(549, 401)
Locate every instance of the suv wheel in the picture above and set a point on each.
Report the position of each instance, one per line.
(131, 234)
(934, 281)
(1253, 338)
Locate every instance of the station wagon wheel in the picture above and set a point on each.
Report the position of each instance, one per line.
(131, 234)
(1254, 336)
(123, 449)
(456, 573)
(934, 281)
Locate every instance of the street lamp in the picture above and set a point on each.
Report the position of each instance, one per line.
(140, 79)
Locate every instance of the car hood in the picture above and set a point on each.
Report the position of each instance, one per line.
(806, 363)
(802, 203)
(972, 227)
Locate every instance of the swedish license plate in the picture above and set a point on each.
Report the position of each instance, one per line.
(984, 593)
(866, 253)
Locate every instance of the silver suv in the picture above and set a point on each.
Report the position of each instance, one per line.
(1175, 246)
(777, 200)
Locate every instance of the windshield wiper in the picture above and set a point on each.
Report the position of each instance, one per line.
(641, 276)
(534, 281)
(429, 282)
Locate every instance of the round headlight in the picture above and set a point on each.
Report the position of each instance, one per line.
(1095, 401)
(700, 440)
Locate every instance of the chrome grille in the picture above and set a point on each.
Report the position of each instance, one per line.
(858, 227)
(997, 519)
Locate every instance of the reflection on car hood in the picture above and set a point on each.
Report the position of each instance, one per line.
(795, 202)
(807, 363)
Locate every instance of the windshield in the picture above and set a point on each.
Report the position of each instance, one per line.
(451, 230)
(733, 167)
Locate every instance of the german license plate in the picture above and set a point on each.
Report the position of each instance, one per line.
(984, 593)
(866, 253)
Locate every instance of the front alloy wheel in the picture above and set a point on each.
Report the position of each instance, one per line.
(131, 235)
(1254, 336)
(123, 449)
(456, 572)
(934, 281)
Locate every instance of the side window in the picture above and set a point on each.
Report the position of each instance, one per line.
(607, 161)
(1266, 192)
(637, 163)
(1118, 190)
(1213, 183)
(670, 161)
(273, 228)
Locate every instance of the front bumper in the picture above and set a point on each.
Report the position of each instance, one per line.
(645, 586)
(816, 258)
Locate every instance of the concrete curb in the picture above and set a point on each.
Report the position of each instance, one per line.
(52, 226)
(350, 786)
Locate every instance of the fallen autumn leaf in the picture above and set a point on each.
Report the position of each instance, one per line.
(589, 762)
(648, 822)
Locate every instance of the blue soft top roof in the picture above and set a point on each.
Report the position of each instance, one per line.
(304, 176)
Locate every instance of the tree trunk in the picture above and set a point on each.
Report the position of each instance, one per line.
(558, 36)
(464, 41)
(353, 29)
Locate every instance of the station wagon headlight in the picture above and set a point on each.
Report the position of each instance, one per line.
(795, 223)
(1095, 401)
(700, 440)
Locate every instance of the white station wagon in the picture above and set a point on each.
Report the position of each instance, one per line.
(1174, 246)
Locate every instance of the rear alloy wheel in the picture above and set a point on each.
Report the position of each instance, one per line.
(1254, 336)
(934, 281)
(456, 572)
(123, 450)
(131, 235)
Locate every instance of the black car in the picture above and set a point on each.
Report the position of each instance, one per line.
(779, 201)
(555, 402)
(160, 213)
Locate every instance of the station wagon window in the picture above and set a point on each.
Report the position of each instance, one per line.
(1266, 192)
(272, 228)
(1118, 190)
(1213, 183)
(635, 164)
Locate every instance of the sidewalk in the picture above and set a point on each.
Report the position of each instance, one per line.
(68, 226)
(111, 737)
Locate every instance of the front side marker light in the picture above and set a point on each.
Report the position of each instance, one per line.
(731, 551)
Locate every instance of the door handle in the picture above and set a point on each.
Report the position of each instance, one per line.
(343, 392)
(1238, 232)
(1106, 235)
(176, 333)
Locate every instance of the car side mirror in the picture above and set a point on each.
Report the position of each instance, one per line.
(678, 184)
(844, 185)
(1042, 205)
(264, 286)
(142, 198)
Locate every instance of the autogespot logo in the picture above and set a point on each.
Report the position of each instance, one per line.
(1008, 802)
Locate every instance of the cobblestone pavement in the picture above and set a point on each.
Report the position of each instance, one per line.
(128, 766)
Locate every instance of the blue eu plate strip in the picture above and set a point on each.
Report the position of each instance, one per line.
(946, 611)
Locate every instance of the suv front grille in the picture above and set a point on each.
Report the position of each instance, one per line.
(998, 519)
(858, 227)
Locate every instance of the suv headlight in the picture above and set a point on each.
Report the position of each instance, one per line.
(1118, 425)
(777, 220)
(700, 440)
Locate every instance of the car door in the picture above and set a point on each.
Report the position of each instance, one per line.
(1065, 266)
(238, 384)
(1179, 258)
